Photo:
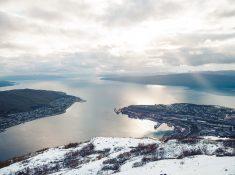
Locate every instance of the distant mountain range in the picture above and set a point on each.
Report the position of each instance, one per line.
(218, 80)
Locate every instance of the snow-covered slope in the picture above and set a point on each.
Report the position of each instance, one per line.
(131, 156)
(197, 165)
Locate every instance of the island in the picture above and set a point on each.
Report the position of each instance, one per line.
(6, 83)
(188, 120)
(23, 105)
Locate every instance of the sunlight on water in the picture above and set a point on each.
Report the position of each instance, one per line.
(95, 117)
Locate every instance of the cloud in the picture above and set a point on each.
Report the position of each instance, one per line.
(7, 22)
(197, 57)
(226, 14)
(136, 11)
(104, 36)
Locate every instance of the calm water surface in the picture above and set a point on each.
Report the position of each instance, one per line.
(95, 117)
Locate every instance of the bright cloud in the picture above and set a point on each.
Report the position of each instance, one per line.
(122, 36)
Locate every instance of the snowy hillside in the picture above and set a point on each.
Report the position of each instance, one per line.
(130, 156)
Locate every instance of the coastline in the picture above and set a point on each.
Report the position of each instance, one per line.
(56, 107)
(188, 120)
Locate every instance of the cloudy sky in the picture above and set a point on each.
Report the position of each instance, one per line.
(116, 36)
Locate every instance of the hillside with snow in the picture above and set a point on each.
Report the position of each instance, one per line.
(130, 156)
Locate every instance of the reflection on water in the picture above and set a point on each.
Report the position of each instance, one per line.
(95, 117)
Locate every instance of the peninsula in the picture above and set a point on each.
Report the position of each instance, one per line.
(188, 120)
(23, 105)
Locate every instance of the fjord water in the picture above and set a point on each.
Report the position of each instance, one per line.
(95, 117)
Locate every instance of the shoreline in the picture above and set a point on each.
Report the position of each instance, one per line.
(188, 120)
(55, 107)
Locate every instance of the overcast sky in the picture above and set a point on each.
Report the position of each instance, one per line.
(116, 36)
